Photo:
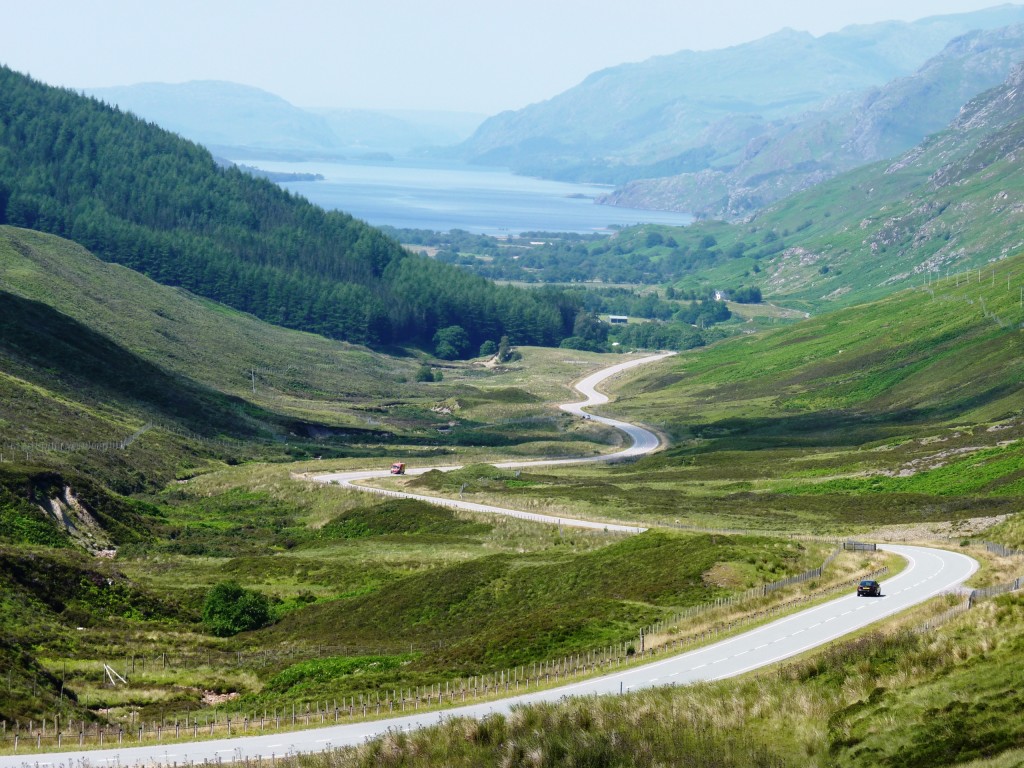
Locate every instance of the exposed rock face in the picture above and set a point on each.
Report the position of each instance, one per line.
(71, 515)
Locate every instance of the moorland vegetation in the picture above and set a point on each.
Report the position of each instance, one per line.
(154, 447)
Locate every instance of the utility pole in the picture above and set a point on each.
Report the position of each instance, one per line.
(254, 381)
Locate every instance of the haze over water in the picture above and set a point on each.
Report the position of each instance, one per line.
(482, 201)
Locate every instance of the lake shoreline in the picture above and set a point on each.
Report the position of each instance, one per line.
(436, 197)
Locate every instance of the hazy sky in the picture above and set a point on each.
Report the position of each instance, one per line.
(472, 55)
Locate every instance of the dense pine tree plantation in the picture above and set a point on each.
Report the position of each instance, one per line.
(140, 196)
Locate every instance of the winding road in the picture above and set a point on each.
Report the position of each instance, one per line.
(641, 441)
(930, 572)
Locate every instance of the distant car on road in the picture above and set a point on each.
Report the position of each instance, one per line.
(398, 468)
(869, 588)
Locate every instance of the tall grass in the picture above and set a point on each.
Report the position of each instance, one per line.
(879, 700)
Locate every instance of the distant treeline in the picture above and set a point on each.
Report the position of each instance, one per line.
(638, 256)
(137, 195)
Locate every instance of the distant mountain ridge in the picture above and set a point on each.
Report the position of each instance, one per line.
(952, 205)
(397, 131)
(694, 110)
(796, 153)
(218, 114)
(234, 119)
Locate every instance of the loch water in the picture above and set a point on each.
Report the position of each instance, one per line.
(441, 198)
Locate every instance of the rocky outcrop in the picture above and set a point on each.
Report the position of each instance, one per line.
(69, 514)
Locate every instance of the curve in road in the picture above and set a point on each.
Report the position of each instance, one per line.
(930, 572)
(641, 442)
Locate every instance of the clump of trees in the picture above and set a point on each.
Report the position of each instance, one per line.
(230, 609)
(588, 333)
(425, 373)
(452, 343)
(747, 295)
(704, 313)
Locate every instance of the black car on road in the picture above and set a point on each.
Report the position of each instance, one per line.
(869, 588)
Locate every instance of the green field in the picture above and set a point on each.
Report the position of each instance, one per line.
(896, 419)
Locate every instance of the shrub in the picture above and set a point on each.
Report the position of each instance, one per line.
(452, 343)
(230, 609)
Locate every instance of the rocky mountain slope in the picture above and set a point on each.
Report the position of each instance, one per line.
(695, 110)
(797, 153)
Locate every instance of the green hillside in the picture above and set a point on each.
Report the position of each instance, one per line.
(189, 335)
(948, 352)
(139, 196)
(901, 419)
(952, 204)
(905, 410)
(153, 445)
(117, 395)
(92, 352)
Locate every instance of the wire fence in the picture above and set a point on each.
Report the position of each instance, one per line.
(997, 589)
(935, 622)
(725, 604)
(859, 546)
(70, 446)
(56, 732)
(975, 596)
(199, 658)
(214, 659)
(753, 593)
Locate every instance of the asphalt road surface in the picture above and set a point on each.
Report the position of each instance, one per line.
(641, 441)
(930, 572)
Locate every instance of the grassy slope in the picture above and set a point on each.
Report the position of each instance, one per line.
(941, 355)
(503, 611)
(906, 410)
(189, 335)
(93, 351)
(926, 381)
(800, 400)
(914, 396)
(90, 352)
(941, 699)
(298, 376)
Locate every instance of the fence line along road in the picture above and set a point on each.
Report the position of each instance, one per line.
(54, 731)
(930, 572)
